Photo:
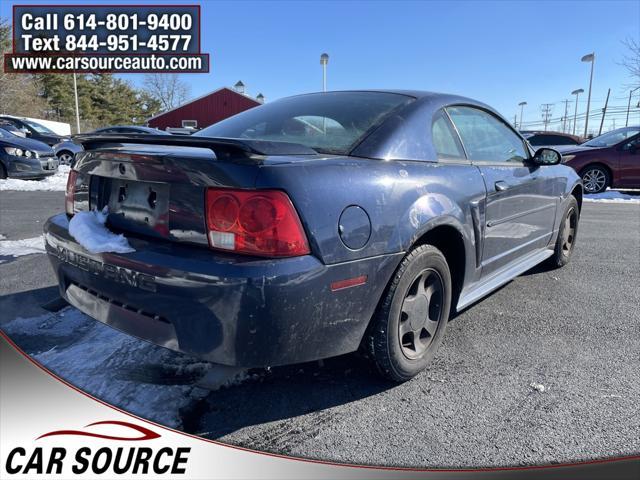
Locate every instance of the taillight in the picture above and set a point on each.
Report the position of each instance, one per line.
(260, 222)
(70, 192)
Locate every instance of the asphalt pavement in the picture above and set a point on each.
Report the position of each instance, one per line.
(575, 331)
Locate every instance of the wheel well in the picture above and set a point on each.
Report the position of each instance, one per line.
(601, 165)
(449, 241)
(577, 193)
(64, 151)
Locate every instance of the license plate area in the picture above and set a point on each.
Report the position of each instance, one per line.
(49, 164)
(135, 206)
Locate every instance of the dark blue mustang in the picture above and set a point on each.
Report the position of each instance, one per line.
(315, 225)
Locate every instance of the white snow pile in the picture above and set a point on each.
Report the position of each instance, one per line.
(89, 230)
(17, 248)
(55, 183)
(612, 196)
(538, 387)
(139, 377)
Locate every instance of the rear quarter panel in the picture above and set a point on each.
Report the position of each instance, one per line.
(403, 199)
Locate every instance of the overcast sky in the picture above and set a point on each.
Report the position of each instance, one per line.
(499, 52)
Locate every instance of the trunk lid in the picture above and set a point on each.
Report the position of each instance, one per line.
(156, 186)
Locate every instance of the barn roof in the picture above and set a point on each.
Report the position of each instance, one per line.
(201, 97)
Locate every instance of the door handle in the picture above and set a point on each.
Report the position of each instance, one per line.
(501, 186)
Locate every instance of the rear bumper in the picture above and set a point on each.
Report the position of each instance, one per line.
(222, 308)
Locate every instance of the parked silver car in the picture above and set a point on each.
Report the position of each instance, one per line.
(66, 150)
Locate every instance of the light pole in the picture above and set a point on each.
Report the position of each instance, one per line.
(575, 112)
(626, 123)
(324, 60)
(75, 94)
(521, 105)
(591, 57)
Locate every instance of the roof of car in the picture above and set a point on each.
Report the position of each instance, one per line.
(410, 93)
(437, 98)
(547, 132)
(123, 126)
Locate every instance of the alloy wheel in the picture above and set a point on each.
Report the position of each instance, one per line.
(594, 180)
(421, 313)
(65, 158)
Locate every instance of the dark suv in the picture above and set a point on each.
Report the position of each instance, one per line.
(610, 160)
(34, 130)
(550, 139)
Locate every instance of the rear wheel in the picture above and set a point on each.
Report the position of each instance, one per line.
(412, 318)
(595, 179)
(567, 234)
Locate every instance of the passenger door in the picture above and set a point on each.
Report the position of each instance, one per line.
(629, 163)
(521, 198)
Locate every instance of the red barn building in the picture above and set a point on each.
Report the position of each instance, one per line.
(206, 110)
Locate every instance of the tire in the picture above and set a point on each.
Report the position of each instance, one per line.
(595, 179)
(3, 172)
(65, 157)
(411, 320)
(567, 234)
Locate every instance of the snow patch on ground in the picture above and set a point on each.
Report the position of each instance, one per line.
(55, 183)
(142, 378)
(612, 196)
(26, 246)
(538, 387)
(89, 230)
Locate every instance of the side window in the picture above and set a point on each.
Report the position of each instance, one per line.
(445, 139)
(539, 140)
(633, 145)
(486, 137)
(19, 125)
(560, 140)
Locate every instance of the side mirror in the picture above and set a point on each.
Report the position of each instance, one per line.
(546, 156)
(26, 132)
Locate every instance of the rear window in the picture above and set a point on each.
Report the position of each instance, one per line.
(327, 122)
(540, 140)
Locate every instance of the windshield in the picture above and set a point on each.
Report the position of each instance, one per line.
(327, 122)
(39, 128)
(611, 138)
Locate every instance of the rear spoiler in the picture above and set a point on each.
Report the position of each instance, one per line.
(220, 146)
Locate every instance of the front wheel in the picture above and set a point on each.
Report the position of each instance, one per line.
(65, 158)
(411, 320)
(567, 234)
(595, 179)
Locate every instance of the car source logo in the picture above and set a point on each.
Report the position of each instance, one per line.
(120, 458)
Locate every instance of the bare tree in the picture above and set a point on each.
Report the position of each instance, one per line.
(166, 88)
(18, 91)
(631, 60)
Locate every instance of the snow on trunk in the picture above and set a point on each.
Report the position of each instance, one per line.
(89, 230)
